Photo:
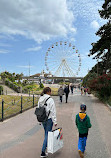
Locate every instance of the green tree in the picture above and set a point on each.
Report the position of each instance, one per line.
(3, 76)
(102, 48)
(90, 76)
(106, 11)
(98, 68)
(19, 77)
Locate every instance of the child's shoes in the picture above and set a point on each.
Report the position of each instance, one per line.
(81, 154)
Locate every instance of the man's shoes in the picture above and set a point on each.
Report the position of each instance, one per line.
(43, 155)
(81, 154)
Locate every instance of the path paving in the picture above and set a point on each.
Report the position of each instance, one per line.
(22, 137)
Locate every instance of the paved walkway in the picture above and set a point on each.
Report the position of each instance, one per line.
(22, 137)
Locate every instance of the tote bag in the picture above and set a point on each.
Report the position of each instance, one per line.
(55, 140)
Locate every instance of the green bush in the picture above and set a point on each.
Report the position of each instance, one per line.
(1, 90)
(109, 101)
(28, 88)
(41, 85)
(62, 83)
(6, 82)
(102, 85)
(12, 85)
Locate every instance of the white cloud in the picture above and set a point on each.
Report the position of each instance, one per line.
(72, 39)
(39, 20)
(33, 49)
(95, 25)
(25, 66)
(4, 51)
(86, 9)
(6, 36)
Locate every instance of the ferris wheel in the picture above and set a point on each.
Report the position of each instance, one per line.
(63, 60)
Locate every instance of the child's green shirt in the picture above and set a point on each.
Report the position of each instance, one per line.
(83, 122)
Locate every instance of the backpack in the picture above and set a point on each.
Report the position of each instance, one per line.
(41, 113)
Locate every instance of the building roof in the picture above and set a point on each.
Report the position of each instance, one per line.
(38, 75)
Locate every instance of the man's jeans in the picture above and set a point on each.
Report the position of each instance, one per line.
(82, 143)
(47, 127)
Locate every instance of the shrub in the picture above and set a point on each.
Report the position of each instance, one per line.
(12, 85)
(62, 83)
(109, 101)
(1, 90)
(102, 85)
(6, 82)
(28, 88)
(41, 85)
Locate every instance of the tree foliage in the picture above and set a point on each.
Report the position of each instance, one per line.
(11, 76)
(90, 76)
(102, 48)
(106, 11)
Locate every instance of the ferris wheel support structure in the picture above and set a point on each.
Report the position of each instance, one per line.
(65, 66)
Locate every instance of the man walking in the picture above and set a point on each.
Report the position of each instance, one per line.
(66, 90)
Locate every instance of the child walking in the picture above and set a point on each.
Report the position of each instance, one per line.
(83, 124)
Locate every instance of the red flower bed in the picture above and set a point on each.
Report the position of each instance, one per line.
(102, 84)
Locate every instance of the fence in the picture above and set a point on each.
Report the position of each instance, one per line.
(13, 108)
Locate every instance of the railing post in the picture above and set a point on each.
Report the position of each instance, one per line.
(2, 109)
(21, 103)
(33, 100)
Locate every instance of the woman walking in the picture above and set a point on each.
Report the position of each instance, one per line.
(51, 113)
(60, 93)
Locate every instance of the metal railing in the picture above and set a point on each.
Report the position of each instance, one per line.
(15, 107)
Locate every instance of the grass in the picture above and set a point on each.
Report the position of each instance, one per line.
(39, 91)
(12, 104)
(54, 91)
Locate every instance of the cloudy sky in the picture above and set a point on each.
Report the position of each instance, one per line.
(29, 28)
